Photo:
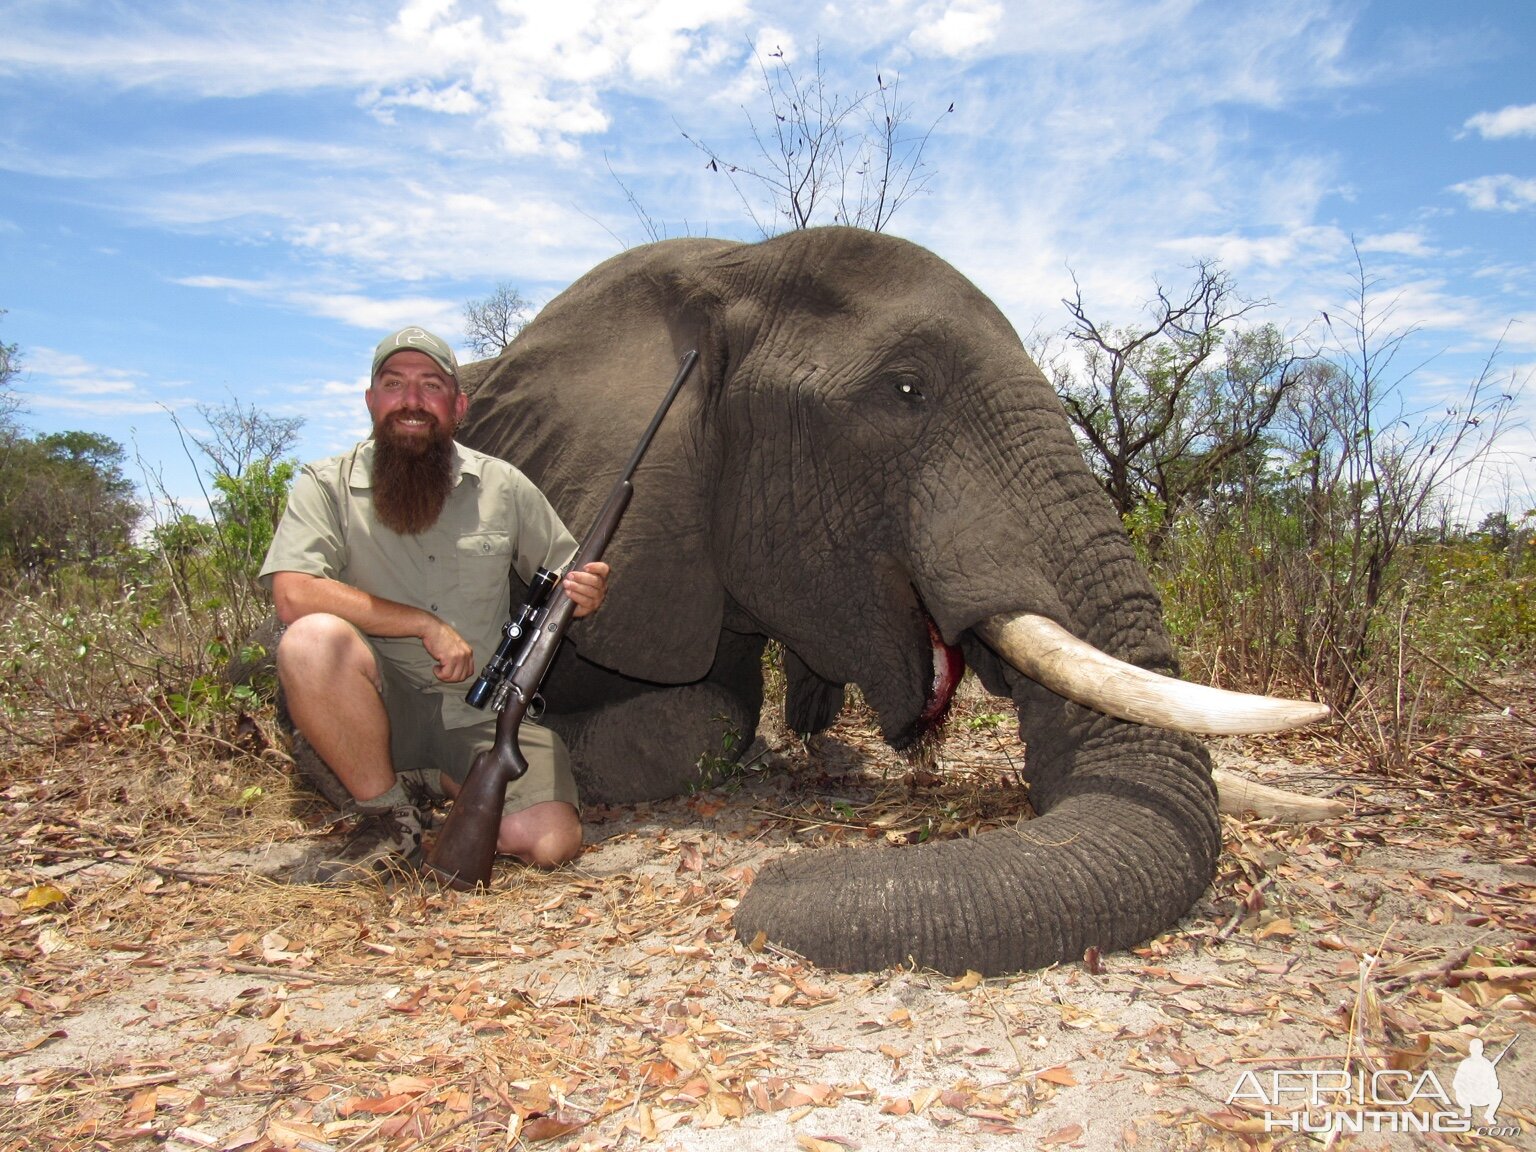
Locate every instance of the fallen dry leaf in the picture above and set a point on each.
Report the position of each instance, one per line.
(43, 896)
(549, 1127)
(923, 1100)
(1228, 1121)
(291, 1135)
(372, 1105)
(1064, 1135)
(824, 1143)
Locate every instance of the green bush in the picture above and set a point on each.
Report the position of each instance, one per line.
(1255, 605)
(154, 622)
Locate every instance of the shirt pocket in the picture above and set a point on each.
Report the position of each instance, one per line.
(485, 566)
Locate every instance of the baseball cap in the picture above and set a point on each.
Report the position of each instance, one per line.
(415, 339)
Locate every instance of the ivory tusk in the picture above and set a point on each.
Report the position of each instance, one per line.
(1237, 795)
(1050, 655)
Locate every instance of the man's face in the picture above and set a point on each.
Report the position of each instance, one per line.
(413, 401)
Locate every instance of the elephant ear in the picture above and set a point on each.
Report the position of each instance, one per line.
(568, 402)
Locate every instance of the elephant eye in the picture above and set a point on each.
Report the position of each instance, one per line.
(908, 390)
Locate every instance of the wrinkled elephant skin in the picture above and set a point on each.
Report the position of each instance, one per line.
(866, 467)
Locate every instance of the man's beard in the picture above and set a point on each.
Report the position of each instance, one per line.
(412, 476)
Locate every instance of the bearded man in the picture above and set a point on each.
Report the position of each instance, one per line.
(390, 569)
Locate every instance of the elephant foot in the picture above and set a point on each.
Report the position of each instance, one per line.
(651, 741)
(657, 745)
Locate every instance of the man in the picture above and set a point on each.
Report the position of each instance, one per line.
(390, 569)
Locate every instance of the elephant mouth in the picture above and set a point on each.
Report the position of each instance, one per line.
(948, 668)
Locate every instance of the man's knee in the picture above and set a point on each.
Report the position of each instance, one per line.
(322, 644)
(545, 835)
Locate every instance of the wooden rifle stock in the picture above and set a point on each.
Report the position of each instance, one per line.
(465, 850)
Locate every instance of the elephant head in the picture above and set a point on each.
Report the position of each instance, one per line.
(869, 470)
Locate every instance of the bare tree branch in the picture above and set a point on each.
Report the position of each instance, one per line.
(492, 323)
(1167, 407)
(811, 156)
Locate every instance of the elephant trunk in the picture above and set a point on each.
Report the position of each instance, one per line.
(1127, 841)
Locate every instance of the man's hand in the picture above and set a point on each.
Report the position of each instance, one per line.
(587, 587)
(455, 658)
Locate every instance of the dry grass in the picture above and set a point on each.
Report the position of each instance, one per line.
(157, 994)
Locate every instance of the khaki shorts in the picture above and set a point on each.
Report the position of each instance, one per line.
(423, 749)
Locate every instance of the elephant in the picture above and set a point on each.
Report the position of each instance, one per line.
(868, 469)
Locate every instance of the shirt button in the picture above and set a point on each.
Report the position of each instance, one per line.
(434, 607)
(432, 559)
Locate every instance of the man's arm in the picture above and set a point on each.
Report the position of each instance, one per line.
(296, 594)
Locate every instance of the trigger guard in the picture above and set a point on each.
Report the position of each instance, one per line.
(535, 707)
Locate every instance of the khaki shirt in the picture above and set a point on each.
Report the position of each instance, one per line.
(494, 521)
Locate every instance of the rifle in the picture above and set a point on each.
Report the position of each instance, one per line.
(466, 847)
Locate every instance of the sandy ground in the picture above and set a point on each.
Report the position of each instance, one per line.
(173, 997)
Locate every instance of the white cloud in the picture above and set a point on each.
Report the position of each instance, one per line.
(76, 377)
(418, 16)
(419, 230)
(957, 27)
(1403, 243)
(68, 385)
(539, 72)
(1514, 120)
(373, 313)
(535, 71)
(408, 222)
(334, 413)
(1427, 304)
(116, 162)
(377, 315)
(1113, 152)
(232, 283)
(454, 100)
(1312, 246)
(1498, 193)
(211, 50)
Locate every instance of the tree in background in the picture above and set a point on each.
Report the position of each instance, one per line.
(824, 157)
(493, 323)
(10, 434)
(1171, 409)
(96, 619)
(212, 567)
(1295, 511)
(10, 365)
(1368, 477)
(247, 449)
(10, 404)
(63, 497)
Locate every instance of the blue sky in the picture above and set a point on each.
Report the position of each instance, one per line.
(228, 198)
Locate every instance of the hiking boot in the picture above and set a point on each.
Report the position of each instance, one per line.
(383, 843)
